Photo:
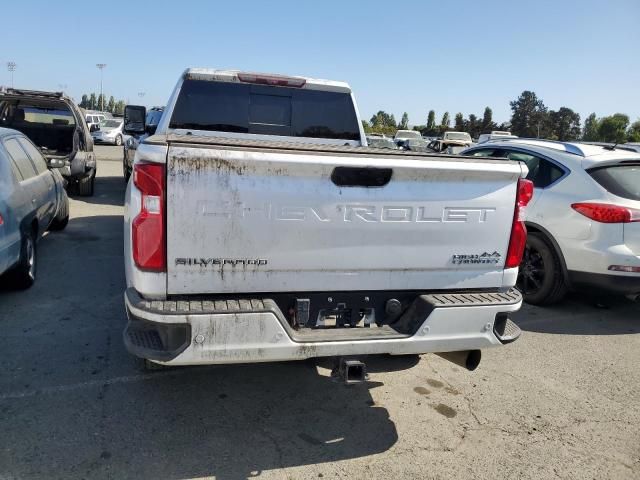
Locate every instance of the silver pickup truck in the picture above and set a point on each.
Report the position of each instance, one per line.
(260, 227)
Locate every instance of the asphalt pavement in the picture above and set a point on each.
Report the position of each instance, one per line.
(561, 402)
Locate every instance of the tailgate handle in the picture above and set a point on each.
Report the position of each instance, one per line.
(361, 176)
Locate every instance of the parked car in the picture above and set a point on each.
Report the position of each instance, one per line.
(110, 132)
(462, 137)
(153, 117)
(447, 146)
(271, 233)
(402, 135)
(32, 200)
(495, 135)
(381, 142)
(583, 220)
(55, 124)
(415, 145)
(93, 121)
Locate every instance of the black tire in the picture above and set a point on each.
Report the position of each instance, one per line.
(23, 275)
(118, 140)
(62, 217)
(125, 171)
(541, 276)
(85, 186)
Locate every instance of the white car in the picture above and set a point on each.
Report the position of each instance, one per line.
(110, 132)
(495, 135)
(402, 135)
(583, 220)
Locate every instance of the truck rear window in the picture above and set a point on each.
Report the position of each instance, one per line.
(621, 180)
(265, 110)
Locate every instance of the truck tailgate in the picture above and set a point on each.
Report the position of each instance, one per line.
(272, 220)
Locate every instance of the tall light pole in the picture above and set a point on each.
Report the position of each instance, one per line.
(141, 95)
(11, 66)
(101, 67)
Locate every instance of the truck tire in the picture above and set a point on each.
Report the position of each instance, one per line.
(541, 279)
(23, 275)
(85, 186)
(62, 217)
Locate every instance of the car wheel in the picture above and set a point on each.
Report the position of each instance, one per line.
(24, 274)
(125, 171)
(119, 140)
(62, 218)
(540, 277)
(85, 186)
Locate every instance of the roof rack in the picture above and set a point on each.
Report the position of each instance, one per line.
(33, 93)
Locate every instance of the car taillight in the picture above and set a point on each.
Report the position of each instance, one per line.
(148, 234)
(518, 238)
(607, 213)
(1, 219)
(275, 80)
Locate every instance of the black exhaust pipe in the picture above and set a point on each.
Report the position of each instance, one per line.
(469, 359)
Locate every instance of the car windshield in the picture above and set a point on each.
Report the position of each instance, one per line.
(110, 123)
(621, 180)
(457, 136)
(265, 110)
(407, 134)
(43, 115)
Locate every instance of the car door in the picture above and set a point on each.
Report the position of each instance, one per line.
(49, 201)
(10, 212)
(30, 183)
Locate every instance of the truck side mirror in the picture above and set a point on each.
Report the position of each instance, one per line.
(134, 119)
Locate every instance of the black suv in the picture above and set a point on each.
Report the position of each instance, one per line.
(56, 125)
(151, 123)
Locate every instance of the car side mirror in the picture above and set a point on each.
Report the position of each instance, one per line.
(134, 119)
(56, 163)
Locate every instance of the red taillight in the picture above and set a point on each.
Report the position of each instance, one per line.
(1, 219)
(148, 235)
(274, 80)
(518, 238)
(607, 213)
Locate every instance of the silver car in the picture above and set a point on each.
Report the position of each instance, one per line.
(32, 201)
(110, 132)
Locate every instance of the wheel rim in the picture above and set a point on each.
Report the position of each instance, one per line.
(118, 141)
(532, 272)
(31, 259)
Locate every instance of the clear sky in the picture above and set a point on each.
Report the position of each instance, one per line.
(398, 56)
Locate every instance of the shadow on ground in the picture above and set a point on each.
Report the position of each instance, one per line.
(74, 404)
(583, 314)
(107, 191)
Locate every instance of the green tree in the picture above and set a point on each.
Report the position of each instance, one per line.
(446, 121)
(382, 122)
(487, 121)
(101, 104)
(564, 124)
(473, 126)
(404, 122)
(459, 122)
(119, 108)
(84, 103)
(111, 105)
(92, 101)
(614, 128)
(529, 116)
(633, 135)
(591, 126)
(431, 123)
